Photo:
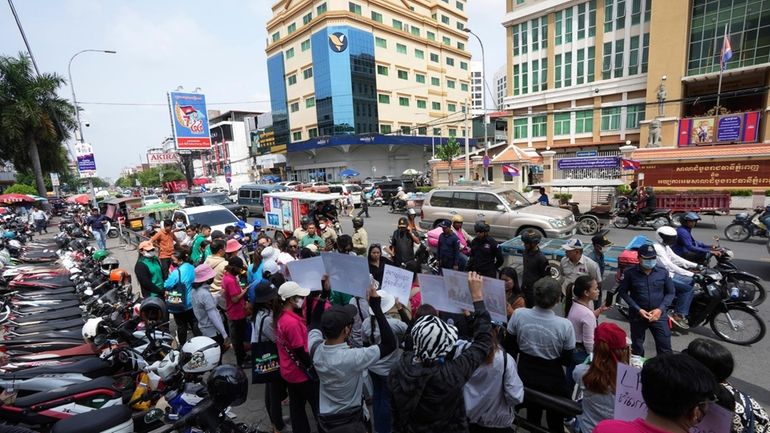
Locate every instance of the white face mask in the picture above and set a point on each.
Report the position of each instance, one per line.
(321, 226)
(150, 254)
(299, 302)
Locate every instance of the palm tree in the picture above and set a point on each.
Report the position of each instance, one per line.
(448, 152)
(34, 120)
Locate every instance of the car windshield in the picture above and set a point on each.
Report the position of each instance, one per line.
(213, 218)
(215, 199)
(513, 199)
(353, 188)
(151, 197)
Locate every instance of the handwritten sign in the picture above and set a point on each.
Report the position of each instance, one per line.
(308, 273)
(434, 293)
(494, 299)
(347, 274)
(456, 285)
(397, 282)
(630, 405)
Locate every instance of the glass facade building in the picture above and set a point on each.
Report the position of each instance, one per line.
(278, 99)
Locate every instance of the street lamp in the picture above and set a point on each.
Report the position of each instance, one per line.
(77, 110)
(483, 89)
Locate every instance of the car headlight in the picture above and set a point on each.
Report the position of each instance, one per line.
(556, 223)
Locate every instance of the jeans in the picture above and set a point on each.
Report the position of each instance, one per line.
(661, 333)
(578, 357)
(684, 294)
(237, 336)
(299, 395)
(185, 320)
(381, 403)
(101, 239)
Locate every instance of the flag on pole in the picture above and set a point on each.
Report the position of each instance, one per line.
(510, 170)
(727, 52)
(630, 164)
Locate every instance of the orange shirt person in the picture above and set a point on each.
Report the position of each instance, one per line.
(165, 239)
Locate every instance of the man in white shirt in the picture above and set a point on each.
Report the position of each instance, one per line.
(41, 220)
(678, 270)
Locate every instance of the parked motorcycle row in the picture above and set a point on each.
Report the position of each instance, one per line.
(80, 353)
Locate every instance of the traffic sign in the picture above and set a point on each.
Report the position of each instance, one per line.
(486, 161)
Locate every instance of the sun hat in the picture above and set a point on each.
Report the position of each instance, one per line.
(290, 289)
(204, 272)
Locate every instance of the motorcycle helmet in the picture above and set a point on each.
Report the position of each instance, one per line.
(152, 309)
(119, 276)
(358, 222)
(667, 235)
(457, 219)
(481, 227)
(79, 244)
(691, 216)
(99, 255)
(531, 237)
(108, 265)
(400, 188)
(227, 385)
(199, 355)
(411, 212)
(304, 221)
(95, 331)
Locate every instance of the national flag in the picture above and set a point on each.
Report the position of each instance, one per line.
(630, 164)
(727, 52)
(510, 170)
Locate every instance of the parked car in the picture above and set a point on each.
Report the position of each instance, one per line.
(291, 184)
(390, 187)
(177, 197)
(250, 196)
(211, 198)
(506, 211)
(151, 199)
(353, 190)
(216, 216)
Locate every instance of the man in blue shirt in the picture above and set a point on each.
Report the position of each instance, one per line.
(96, 223)
(686, 246)
(648, 291)
(543, 199)
(448, 247)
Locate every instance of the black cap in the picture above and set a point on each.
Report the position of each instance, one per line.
(336, 318)
(444, 224)
(265, 291)
(601, 239)
(235, 262)
(217, 234)
(403, 222)
(647, 251)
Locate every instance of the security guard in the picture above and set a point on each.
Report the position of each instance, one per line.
(360, 237)
(486, 256)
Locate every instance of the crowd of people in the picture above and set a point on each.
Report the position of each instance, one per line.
(382, 364)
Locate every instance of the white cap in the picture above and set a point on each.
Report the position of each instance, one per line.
(290, 289)
(573, 244)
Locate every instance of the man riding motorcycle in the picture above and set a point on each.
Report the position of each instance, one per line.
(400, 199)
(687, 247)
(680, 272)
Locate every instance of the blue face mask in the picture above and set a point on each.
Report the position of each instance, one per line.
(648, 263)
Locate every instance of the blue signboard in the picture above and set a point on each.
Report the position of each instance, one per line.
(190, 120)
(729, 128)
(373, 139)
(586, 153)
(84, 153)
(588, 163)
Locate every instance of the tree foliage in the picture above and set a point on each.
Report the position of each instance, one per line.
(20, 188)
(449, 152)
(152, 177)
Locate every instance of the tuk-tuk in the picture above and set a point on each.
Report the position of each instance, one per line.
(283, 210)
(602, 196)
(123, 210)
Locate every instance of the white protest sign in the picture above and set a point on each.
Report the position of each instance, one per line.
(494, 299)
(347, 274)
(308, 273)
(434, 294)
(397, 282)
(456, 284)
(629, 403)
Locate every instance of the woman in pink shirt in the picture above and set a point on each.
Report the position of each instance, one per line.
(293, 356)
(235, 303)
(584, 319)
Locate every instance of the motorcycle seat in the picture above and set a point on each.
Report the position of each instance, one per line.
(51, 315)
(67, 391)
(105, 419)
(86, 367)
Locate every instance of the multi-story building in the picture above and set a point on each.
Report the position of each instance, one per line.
(230, 139)
(587, 78)
(501, 86)
(371, 85)
(478, 101)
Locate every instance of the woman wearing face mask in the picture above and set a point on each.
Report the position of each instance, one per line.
(205, 307)
(235, 299)
(148, 272)
(291, 339)
(183, 313)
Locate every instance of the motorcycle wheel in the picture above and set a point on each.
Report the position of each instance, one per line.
(751, 291)
(620, 222)
(588, 226)
(737, 232)
(660, 222)
(739, 325)
(112, 234)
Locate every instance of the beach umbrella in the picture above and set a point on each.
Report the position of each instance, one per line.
(15, 198)
(410, 172)
(349, 172)
(79, 199)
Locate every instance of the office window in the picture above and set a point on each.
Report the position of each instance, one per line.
(636, 12)
(435, 81)
(516, 88)
(312, 132)
(292, 28)
(446, 41)
(584, 121)
(398, 25)
(434, 57)
(646, 51)
(450, 84)
(276, 36)
(420, 78)
(383, 99)
(634, 115)
(445, 19)
(561, 124)
(557, 71)
(580, 77)
(633, 56)
(534, 26)
(558, 23)
(607, 61)
(296, 136)
(403, 101)
(459, 5)
(403, 75)
(591, 64)
(592, 18)
(381, 42)
(406, 130)
(290, 53)
(305, 45)
(307, 73)
(460, 46)
(568, 25)
(452, 132)
(422, 104)
(376, 16)
(431, 36)
(535, 75)
(524, 78)
(321, 9)
(581, 20)
(539, 126)
(436, 106)
(355, 8)
(419, 54)
(307, 18)
(608, 17)
(385, 129)
(515, 37)
(618, 58)
(519, 128)
(451, 107)
(310, 102)
(611, 119)
(415, 31)
(437, 132)
(450, 61)
(524, 39)
(294, 107)
(292, 79)
(382, 70)
(620, 21)
(567, 69)
(464, 87)
(464, 66)
(544, 73)
(648, 9)
(460, 26)
(401, 48)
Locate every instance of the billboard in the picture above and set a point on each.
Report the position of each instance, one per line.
(155, 159)
(725, 129)
(189, 120)
(708, 175)
(84, 153)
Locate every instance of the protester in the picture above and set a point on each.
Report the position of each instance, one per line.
(748, 415)
(513, 294)
(535, 265)
(402, 243)
(301, 231)
(178, 287)
(463, 237)
(195, 250)
(448, 250)
(545, 344)
(583, 316)
(415, 294)
(148, 272)
(360, 237)
(648, 291)
(677, 390)
(596, 381)
(236, 306)
(377, 262)
(165, 240)
(345, 244)
(311, 238)
(190, 232)
(95, 223)
(426, 386)
(218, 263)
(205, 308)
(485, 254)
(255, 272)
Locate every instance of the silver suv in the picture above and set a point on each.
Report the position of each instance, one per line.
(505, 210)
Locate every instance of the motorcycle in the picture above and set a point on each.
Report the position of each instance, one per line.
(397, 206)
(749, 285)
(626, 214)
(744, 226)
(111, 230)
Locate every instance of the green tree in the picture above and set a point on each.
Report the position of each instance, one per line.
(448, 152)
(34, 120)
(20, 188)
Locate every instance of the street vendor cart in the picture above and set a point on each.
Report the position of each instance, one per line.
(283, 210)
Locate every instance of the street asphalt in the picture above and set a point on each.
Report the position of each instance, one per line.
(751, 362)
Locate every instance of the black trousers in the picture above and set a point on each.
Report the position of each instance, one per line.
(547, 376)
(184, 321)
(164, 265)
(299, 395)
(237, 335)
(275, 393)
(364, 208)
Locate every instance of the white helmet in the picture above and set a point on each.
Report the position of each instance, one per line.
(199, 355)
(667, 235)
(92, 328)
(400, 188)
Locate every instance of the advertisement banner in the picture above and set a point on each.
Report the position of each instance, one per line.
(189, 120)
(161, 158)
(588, 163)
(707, 175)
(726, 129)
(54, 179)
(84, 153)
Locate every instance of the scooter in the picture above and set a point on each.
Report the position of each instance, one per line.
(744, 226)
(397, 206)
(626, 214)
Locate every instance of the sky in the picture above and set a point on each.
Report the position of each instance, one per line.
(217, 46)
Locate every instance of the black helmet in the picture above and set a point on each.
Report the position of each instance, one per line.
(481, 226)
(152, 309)
(109, 264)
(227, 386)
(358, 222)
(531, 237)
(79, 244)
(304, 221)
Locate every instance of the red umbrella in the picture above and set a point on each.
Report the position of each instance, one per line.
(79, 199)
(16, 198)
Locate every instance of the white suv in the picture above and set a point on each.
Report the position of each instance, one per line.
(215, 216)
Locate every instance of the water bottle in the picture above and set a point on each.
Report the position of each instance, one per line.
(735, 293)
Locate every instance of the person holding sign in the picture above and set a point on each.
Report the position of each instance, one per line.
(426, 386)
(677, 390)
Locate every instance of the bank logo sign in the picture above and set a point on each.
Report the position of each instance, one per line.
(338, 42)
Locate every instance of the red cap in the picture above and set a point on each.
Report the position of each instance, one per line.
(611, 334)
